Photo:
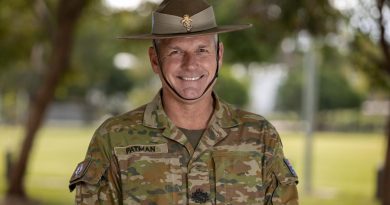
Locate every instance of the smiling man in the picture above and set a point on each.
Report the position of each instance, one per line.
(187, 146)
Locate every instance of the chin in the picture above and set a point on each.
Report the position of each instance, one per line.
(194, 96)
(191, 97)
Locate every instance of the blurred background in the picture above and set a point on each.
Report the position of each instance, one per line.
(318, 70)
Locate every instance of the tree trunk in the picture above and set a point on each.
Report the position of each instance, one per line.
(68, 14)
(386, 68)
(386, 184)
(383, 42)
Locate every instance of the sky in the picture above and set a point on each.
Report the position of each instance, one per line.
(344, 4)
(126, 4)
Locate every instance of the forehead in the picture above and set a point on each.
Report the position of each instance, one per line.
(206, 40)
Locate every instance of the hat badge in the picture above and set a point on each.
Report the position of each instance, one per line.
(187, 22)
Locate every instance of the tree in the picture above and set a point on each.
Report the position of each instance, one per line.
(273, 20)
(372, 56)
(385, 68)
(67, 16)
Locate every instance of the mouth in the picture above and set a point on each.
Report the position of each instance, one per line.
(190, 78)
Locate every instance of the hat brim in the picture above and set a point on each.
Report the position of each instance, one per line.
(216, 30)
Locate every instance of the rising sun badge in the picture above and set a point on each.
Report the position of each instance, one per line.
(187, 22)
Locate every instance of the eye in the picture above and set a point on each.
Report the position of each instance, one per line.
(173, 52)
(203, 50)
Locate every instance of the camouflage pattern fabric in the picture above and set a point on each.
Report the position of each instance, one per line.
(141, 157)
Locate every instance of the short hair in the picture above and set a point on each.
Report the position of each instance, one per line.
(157, 42)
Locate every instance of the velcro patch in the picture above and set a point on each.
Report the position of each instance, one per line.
(80, 169)
(290, 168)
(150, 148)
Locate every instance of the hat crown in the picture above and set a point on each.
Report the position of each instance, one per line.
(182, 7)
(183, 16)
(180, 18)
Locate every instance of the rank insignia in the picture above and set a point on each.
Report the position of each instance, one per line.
(199, 196)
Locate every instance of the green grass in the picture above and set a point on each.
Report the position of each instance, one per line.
(344, 164)
(55, 155)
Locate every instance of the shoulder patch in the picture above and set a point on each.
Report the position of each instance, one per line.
(88, 171)
(289, 166)
(80, 170)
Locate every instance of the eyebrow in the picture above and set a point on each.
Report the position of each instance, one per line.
(174, 47)
(203, 46)
(180, 49)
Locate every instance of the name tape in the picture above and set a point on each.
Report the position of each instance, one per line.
(153, 148)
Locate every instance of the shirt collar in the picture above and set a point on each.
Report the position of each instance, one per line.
(155, 117)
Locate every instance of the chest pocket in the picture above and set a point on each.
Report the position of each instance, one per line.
(238, 177)
(151, 178)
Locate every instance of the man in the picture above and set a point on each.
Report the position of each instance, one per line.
(186, 146)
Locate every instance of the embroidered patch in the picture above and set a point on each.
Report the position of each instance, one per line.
(290, 168)
(187, 22)
(150, 148)
(80, 169)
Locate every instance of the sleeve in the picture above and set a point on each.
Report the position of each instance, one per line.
(96, 179)
(281, 177)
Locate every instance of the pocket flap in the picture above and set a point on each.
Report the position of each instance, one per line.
(88, 171)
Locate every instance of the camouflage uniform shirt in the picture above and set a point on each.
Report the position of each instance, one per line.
(141, 157)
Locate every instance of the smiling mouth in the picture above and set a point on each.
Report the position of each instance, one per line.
(190, 78)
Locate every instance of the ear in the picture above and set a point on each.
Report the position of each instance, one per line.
(220, 54)
(154, 60)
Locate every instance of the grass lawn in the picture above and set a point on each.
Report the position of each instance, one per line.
(344, 164)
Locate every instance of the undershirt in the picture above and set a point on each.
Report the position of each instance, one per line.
(193, 136)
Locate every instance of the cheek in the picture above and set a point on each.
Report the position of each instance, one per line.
(210, 64)
(174, 62)
(171, 66)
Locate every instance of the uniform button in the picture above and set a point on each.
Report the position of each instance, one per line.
(199, 196)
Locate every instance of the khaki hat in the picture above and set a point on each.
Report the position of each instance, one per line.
(180, 18)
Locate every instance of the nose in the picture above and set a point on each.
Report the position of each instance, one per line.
(189, 61)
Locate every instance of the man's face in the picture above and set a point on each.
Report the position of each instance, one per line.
(189, 63)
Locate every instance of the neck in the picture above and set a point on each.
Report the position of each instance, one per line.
(192, 115)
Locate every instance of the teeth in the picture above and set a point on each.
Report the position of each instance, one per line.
(194, 78)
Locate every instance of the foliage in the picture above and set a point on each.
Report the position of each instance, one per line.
(334, 90)
(367, 57)
(95, 43)
(231, 89)
(95, 46)
(272, 22)
(19, 34)
(17, 37)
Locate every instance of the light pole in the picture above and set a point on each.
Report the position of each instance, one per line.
(310, 85)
